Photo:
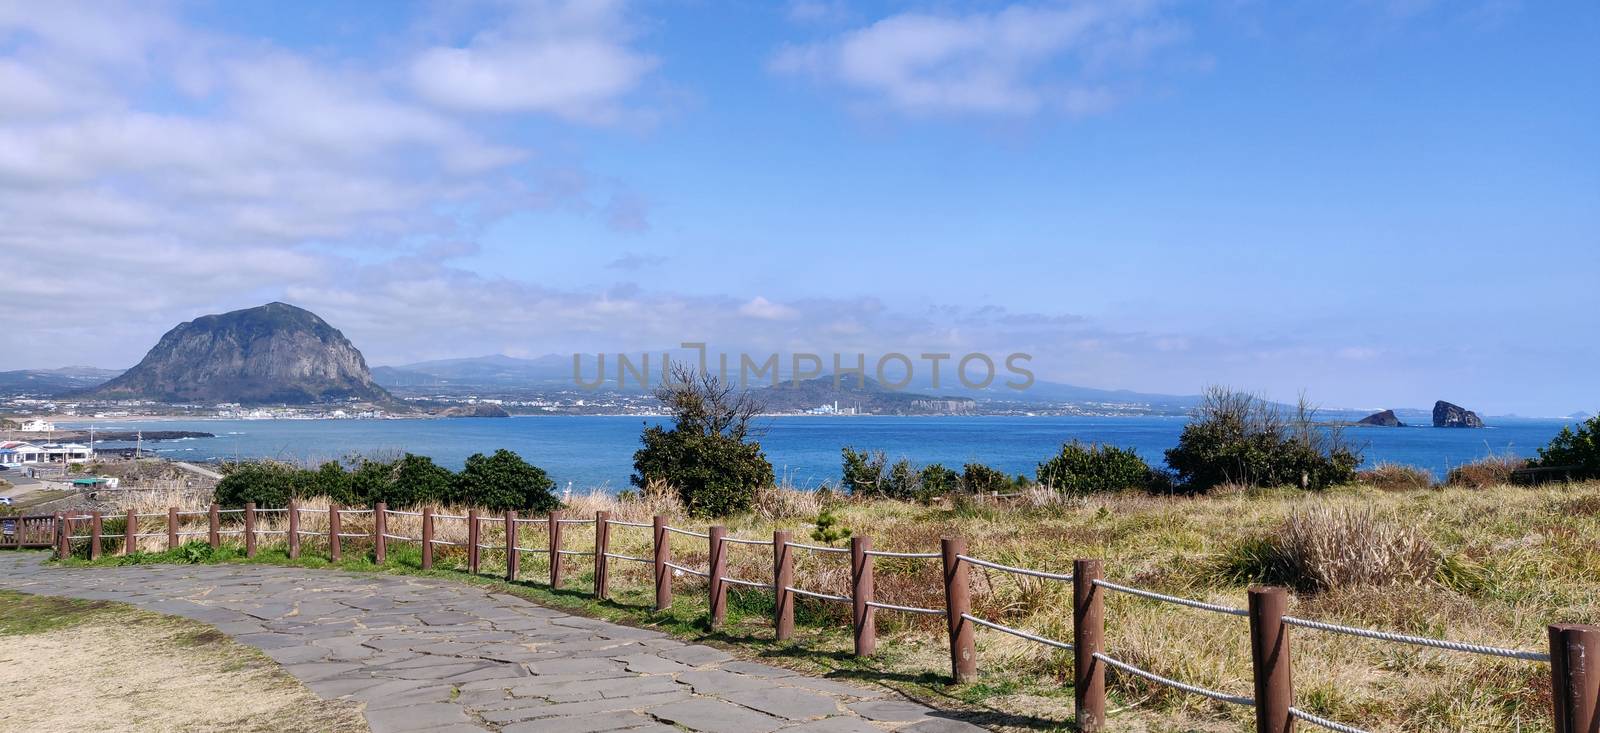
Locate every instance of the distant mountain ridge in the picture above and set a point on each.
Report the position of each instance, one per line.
(275, 353)
(54, 381)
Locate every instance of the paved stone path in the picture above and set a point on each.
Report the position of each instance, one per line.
(427, 654)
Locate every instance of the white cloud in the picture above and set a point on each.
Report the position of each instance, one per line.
(569, 59)
(172, 171)
(766, 310)
(1018, 61)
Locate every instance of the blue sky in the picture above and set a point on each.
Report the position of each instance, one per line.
(1381, 203)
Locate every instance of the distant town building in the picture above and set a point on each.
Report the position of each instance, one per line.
(38, 426)
(16, 453)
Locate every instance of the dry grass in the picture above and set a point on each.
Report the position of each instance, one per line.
(1346, 547)
(1492, 470)
(1395, 477)
(108, 667)
(1491, 565)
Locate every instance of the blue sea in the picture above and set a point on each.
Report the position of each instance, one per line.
(589, 451)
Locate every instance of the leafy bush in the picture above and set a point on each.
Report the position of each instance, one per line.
(1579, 448)
(498, 482)
(828, 529)
(269, 484)
(504, 481)
(977, 478)
(1396, 477)
(865, 474)
(1087, 469)
(1239, 438)
(418, 480)
(1491, 470)
(706, 456)
(937, 480)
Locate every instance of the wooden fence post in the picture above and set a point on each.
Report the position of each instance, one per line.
(602, 545)
(63, 536)
(333, 532)
(1088, 632)
(717, 567)
(512, 565)
(1575, 677)
(130, 533)
(249, 529)
(863, 617)
(472, 541)
(380, 523)
(94, 535)
(214, 526)
(663, 555)
(172, 528)
(1269, 657)
(294, 530)
(427, 538)
(555, 550)
(957, 604)
(782, 580)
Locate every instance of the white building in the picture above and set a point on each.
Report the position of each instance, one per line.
(17, 453)
(38, 426)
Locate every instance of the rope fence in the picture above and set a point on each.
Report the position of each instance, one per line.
(1575, 688)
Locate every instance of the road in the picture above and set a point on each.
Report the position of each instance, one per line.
(427, 654)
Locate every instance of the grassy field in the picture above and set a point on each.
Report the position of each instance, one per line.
(1492, 565)
(71, 665)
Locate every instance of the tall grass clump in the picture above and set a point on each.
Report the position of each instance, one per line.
(1327, 548)
(1396, 477)
(1494, 469)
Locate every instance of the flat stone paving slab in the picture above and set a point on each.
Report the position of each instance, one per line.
(426, 654)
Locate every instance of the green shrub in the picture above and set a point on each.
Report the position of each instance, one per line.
(1237, 438)
(869, 475)
(828, 530)
(1579, 448)
(267, 483)
(1090, 468)
(937, 481)
(418, 480)
(330, 480)
(1396, 477)
(707, 456)
(977, 478)
(503, 481)
(865, 473)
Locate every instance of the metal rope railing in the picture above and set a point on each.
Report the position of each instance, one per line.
(1017, 632)
(1152, 595)
(816, 548)
(1324, 722)
(907, 609)
(1176, 685)
(750, 583)
(885, 553)
(615, 556)
(621, 523)
(1017, 570)
(1454, 646)
(742, 541)
(691, 533)
(813, 594)
(683, 569)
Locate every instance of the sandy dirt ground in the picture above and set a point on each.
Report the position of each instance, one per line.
(133, 671)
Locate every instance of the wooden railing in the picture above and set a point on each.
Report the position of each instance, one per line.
(1574, 650)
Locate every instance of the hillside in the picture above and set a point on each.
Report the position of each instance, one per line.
(275, 353)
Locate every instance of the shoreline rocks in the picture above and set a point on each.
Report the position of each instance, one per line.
(1385, 419)
(1447, 415)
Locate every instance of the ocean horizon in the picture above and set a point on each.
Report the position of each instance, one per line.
(596, 452)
